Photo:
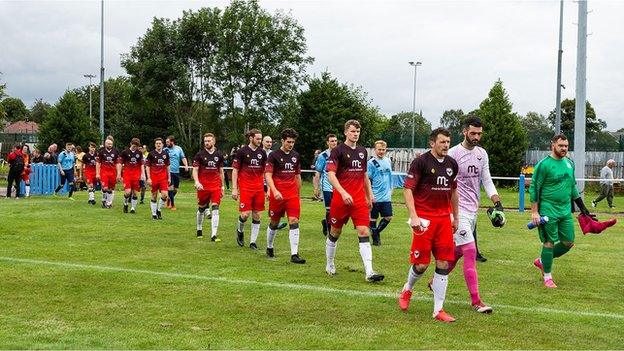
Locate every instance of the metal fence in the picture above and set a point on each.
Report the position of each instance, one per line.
(594, 160)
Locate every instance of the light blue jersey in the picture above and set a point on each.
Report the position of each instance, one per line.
(380, 173)
(175, 158)
(321, 161)
(67, 160)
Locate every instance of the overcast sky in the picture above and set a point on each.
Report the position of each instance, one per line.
(47, 46)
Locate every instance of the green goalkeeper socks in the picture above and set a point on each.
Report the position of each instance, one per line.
(559, 250)
(547, 259)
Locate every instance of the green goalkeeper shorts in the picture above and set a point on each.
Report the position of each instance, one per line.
(557, 229)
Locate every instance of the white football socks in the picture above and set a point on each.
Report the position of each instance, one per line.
(270, 237)
(367, 257)
(440, 282)
(215, 222)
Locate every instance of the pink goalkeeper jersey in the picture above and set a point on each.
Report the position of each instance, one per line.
(473, 170)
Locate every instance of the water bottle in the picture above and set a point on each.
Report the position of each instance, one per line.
(543, 220)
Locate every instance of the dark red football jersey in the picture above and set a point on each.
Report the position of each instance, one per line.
(107, 159)
(432, 182)
(350, 167)
(250, 164)
(157, 162)
(89, 161)
(285, 168)
(131, 161)
(209, 168)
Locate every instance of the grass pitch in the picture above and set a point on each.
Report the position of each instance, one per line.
(82, 277)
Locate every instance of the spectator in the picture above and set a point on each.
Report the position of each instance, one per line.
(37, 157)
(606, 184)
(26, 173)
(51, 157)
(227, 162)
(81, 185)
(16, 168)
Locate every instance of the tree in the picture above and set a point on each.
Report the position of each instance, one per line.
(67, 122)
(398, 130)
(39, 111)
(453, 120)
(593, 125)
(14, 109)
(261, 62)
(602, 141)
(538, 131)
(2, 96)
(324, 108)
(503, 135)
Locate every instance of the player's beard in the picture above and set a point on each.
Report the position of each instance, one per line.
(473, 142)
(561, 153)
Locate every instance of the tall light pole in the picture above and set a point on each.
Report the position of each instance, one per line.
(102, 77)
(559, 54)
(415, 64)
(581, 96)
(90, 76)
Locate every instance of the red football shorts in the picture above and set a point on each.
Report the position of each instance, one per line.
(436, 239)
(108, 179)
(131, 181)
(339, 212)
(251, 200)
(160, 185)
(277, 208)
(89, 176)
(207, 196)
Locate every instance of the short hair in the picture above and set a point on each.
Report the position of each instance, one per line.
(158, 139)
(110, 137)
(135, 141)
(381, 142)
(558, 137)
(267, 136)
(209, 135)
(92, 144)
(252, 132)
(171, 138)
(289, 133)
(433, 136)
(78, 148)
(69, 143)
(330, 135)
(472, 121)
(352, 122)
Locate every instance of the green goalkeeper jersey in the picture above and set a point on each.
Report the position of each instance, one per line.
(553, 186)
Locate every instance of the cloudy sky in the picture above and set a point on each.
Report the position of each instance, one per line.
(47, 46)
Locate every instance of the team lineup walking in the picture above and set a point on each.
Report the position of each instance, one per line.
(442, 194)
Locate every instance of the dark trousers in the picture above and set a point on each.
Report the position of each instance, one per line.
(606, 191)
(15, 175)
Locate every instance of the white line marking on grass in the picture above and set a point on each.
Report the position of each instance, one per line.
(365, 293)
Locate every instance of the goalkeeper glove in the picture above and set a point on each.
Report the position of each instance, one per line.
(496, 215)
(581, 205)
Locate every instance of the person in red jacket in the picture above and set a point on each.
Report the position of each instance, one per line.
(16, 168)
(27, 170)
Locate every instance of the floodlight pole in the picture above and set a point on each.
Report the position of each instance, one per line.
(102, 77)
(415, 64)
(559, 54)
(90, 76)
(581, 95)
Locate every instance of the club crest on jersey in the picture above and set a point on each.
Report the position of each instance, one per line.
(462, 232)
(416, 254)
(259, 156)
(433, 171)
(294, 159)
(216, 158)
(361, 154)
(271, 213)
(478, 158)
(449, 171)
(242, 205)
(333, 220)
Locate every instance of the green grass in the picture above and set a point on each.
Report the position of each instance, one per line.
(81, 277)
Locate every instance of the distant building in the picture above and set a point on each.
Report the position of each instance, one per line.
(18, 132)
